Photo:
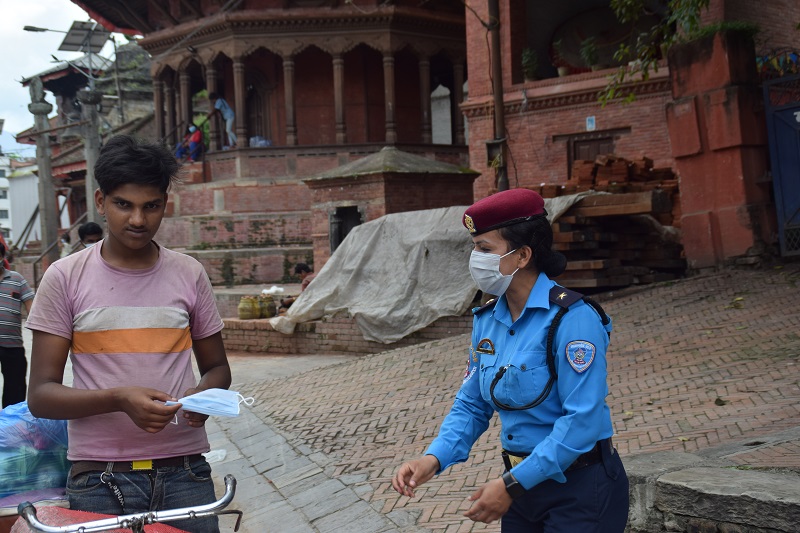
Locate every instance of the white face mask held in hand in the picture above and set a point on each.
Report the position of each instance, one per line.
(214, 402)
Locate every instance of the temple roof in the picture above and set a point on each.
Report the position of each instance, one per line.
(391, 160)
(115, 16)
(98, 65)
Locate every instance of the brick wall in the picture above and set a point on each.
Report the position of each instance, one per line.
(25, 269)
(241, 196)
(535, 157)
(251, 265)
(334, 336)
(239, 230)
(777, 20)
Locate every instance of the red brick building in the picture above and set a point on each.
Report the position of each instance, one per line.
(726, 207)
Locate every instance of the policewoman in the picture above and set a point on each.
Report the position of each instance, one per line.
(562, 471)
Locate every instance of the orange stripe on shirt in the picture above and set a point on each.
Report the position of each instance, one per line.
(150, 340)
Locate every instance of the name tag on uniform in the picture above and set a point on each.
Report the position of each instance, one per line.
(485, 346)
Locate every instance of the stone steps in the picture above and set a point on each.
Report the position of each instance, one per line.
(245, 231)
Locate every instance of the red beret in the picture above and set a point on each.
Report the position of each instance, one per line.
(503, 209)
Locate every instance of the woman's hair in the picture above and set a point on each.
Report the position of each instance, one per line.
(126, 160)
(537, 234)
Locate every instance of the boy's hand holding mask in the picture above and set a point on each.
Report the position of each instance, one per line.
(198, 406)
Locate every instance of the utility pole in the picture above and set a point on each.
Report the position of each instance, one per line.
(89, 100)
(48, 213)
(498, 159)
(120, 102)
(87, 37)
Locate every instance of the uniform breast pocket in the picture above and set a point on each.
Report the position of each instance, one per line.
(525, 378)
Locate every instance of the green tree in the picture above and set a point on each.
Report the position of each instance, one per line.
(640, 57)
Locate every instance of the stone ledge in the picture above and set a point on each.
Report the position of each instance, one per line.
(675, 491)
(749, 499)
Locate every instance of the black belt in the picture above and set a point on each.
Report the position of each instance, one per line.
(593, 456)
(81, 467)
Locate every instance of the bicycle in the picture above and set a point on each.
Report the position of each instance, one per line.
(136, 522)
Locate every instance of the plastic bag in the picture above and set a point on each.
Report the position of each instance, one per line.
(33, 451)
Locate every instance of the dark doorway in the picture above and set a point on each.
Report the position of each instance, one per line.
(342, 222)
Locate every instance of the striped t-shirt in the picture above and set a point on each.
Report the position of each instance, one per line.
(128, 328)
(14, 290)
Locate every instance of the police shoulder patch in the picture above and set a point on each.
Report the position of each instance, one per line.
(580, 355)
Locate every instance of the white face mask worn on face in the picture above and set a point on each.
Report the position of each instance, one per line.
(485, 270)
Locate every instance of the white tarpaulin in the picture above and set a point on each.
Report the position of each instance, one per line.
(397, 274)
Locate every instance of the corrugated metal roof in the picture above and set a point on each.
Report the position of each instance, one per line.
(99, 64)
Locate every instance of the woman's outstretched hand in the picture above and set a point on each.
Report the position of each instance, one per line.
(414, 473)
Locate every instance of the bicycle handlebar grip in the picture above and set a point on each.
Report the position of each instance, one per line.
(26, 510)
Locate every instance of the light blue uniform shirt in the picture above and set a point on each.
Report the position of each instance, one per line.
(224, 109)
(572, 418)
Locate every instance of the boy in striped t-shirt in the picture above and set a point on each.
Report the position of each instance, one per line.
(14, 293)
(130, 314)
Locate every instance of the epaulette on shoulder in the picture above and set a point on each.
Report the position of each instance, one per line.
(488, 305)
(564, 297)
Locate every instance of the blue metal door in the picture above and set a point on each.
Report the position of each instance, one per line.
(782, 100)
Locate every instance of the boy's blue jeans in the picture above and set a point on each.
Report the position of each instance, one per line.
(155, 490)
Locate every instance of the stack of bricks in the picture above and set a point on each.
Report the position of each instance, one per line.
(611, 169)
(612, 241)
(615, 241)
(583, 174)
(615, 174)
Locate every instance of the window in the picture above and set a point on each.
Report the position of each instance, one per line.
(587, 146)
(3, 193)
(3, 213)
(2, 173)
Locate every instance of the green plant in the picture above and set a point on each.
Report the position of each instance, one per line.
(589, 52)
(530, 63)
(746, 28)
(639, 58)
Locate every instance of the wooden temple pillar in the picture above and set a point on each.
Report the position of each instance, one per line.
(158, 108)
(425, 98)
(338, 98)
(240, 94)
(388, 96)
(184, 83)
(169, 100)
(288, 89)
(213, 125)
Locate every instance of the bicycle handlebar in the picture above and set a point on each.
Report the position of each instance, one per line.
(28, 512)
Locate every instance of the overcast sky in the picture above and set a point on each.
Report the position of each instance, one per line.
(24, 54)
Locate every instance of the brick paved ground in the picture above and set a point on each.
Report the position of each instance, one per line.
(694, 364)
